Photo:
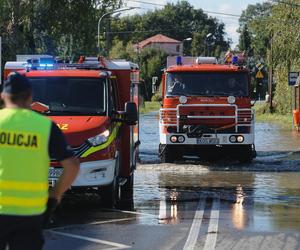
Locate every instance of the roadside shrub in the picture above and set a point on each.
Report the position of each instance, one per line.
(156, 97)
(283, 93)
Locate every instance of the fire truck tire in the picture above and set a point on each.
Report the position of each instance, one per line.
(110, 194)
(166, 154)
(246, 154)
(127, 190)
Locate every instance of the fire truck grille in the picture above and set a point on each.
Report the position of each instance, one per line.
(244, 116)
(221, 119)
(168, 117)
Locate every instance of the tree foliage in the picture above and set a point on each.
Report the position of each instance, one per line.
(178, 21)
(269, 33)
(253, 29)
(57, 27)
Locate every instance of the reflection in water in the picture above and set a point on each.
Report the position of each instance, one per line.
(168, 212)
(239, 215)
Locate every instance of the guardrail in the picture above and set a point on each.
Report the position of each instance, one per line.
(243, 117)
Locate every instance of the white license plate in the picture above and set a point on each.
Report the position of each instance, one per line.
(208, 140)
(54, 173)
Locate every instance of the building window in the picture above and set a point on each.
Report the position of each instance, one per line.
(177, 48)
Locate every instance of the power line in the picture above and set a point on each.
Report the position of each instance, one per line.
(144, 2)
(205, 11)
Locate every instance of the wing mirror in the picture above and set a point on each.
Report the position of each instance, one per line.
(131, 113)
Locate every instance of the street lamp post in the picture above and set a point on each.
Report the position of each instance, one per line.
(186, 39)
(105, 15)
(206, 44)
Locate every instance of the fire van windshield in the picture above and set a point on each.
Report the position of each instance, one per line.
(207, 84)
(70, 96)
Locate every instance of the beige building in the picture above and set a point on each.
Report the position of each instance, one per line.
(171, 46)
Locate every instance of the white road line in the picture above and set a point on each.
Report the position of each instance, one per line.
(91, 223)
(131, 212)
(110, 221)
(211, 237)
(105, 242)
(195, 228)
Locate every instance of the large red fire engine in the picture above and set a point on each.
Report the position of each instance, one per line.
(206, 109)
(86, 100)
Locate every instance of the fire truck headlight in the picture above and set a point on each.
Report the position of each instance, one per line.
(232, 139)
(181, 139)
(99, 139)
(183, 99)
(240, 138)
(231, 99)
(173, 138)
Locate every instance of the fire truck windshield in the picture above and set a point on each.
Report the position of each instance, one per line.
(70, 95)
(207, 84)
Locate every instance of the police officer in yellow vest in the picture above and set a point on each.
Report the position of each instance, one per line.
(27, 141)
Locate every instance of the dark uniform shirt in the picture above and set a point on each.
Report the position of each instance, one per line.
(58, 147)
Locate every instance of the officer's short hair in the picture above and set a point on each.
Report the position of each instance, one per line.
(17, 87)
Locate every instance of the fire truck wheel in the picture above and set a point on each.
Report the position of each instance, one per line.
(166, 154)
(127, 190)
(110, 194)
(246, 154)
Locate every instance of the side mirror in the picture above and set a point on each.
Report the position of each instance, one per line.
(131, 113)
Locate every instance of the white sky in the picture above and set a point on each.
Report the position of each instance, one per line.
(225, 6)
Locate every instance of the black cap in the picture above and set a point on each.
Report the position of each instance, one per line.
(16, 84)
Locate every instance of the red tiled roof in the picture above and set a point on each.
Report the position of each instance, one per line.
(157, 39)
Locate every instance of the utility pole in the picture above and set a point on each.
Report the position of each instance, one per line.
(0, 60)
(271, 77)
(106, 52)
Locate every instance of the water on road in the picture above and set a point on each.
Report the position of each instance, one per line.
(194, 204)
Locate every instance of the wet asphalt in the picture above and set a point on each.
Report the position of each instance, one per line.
(194, 204)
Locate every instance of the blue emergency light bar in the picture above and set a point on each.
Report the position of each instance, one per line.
(41, 63)
(178, 60)
(51, 63)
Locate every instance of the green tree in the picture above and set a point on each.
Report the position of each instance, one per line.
(178, 21)
(253, 29)
(57, 27)
(285, 43)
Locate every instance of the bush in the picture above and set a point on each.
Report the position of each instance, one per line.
(156, 97)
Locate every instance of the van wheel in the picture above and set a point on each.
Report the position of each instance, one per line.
(110, 194)
(127, 189)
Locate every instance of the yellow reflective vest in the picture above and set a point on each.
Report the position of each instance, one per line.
(24, 162)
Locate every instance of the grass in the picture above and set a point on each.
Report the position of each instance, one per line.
(263, 115)
(149, 107)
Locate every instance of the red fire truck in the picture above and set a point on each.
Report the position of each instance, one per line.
(206, 110)
(94, 102)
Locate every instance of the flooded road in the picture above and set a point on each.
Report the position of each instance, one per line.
(195, 205)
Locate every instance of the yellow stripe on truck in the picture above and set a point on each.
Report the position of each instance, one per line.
(110, 140)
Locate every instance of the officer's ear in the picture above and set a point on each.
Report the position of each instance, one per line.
(29, 99)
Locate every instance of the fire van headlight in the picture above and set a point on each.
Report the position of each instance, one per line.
(99, 139)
